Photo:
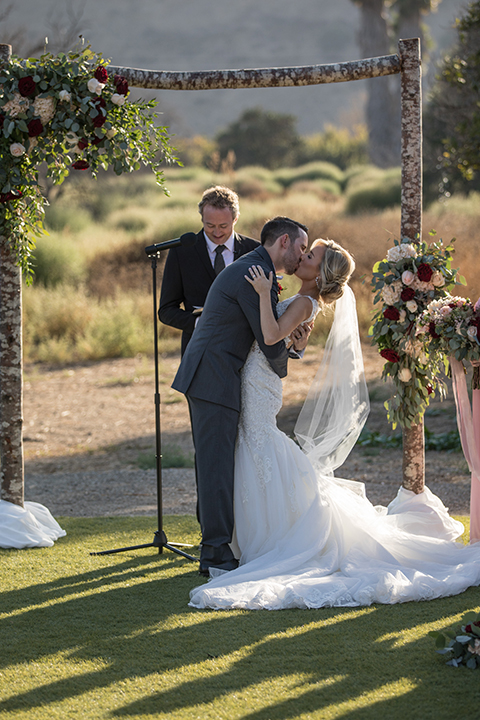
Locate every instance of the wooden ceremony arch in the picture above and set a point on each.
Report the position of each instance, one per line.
(407, 63)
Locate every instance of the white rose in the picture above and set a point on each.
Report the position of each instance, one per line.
(472, 332)
(111, 133)
(403, 316)
(64, 96)
(94, 86)
(404, 375)
(423, 358)
(437, 279)
(412, 306)
(17, 149)
(118, 99)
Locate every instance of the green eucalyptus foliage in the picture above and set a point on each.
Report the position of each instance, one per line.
(66, 112)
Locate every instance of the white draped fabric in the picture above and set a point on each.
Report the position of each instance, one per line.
(27, 527)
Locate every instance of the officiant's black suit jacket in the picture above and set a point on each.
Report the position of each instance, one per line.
(187, 277)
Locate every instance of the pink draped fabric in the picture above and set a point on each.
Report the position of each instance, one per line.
(468, 420)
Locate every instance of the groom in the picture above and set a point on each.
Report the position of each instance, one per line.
(209, 376)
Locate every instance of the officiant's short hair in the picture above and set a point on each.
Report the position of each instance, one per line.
(279, 226)
(220, 197)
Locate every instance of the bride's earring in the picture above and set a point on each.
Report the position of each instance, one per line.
(318, 282)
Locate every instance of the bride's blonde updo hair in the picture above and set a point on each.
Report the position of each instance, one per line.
(335, 270)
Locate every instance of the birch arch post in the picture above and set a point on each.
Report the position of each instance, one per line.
(407, 63)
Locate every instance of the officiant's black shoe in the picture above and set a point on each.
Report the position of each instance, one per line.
(229, 565)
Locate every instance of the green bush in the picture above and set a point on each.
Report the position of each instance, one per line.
(368, 192)
(336, 145)
(57, 260)
(66, 218)
(310, 171)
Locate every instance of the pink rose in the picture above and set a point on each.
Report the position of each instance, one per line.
(407, 277)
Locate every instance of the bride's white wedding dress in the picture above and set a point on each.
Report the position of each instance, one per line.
(308, 540)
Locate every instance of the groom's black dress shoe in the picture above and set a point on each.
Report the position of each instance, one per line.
(230, 565)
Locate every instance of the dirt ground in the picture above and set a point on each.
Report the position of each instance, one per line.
(88, 427)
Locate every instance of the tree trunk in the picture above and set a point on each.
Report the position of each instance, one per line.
(411, 222)
(382, 113)
(11, 400)
(11, 391)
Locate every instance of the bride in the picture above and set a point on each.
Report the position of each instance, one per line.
(304, 538)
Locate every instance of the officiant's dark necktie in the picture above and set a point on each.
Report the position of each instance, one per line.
(219, 263)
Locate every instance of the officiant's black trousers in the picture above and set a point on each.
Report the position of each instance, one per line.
(214, 429)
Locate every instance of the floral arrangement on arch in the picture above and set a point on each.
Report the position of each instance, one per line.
(66, 111)
(406, 282)
(462, 643)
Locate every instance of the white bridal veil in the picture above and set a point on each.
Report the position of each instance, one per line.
(337, 403)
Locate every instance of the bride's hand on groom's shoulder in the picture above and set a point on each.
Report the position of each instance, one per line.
(259, 281)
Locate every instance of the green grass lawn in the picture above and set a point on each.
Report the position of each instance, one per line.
(112, 636)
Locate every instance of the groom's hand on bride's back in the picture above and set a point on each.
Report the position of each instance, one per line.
(300, 336)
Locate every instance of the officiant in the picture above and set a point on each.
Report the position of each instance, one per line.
(190, 271)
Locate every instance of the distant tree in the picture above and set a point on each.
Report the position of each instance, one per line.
(452, 118)
(261, 138)
(382, 23)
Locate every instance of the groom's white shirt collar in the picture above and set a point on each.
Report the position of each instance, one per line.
(227, 253)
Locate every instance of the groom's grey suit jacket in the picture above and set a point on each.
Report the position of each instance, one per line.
(210, 368)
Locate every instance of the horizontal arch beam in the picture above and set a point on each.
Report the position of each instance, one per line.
(261, 77)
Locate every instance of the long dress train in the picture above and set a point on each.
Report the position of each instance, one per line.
(306, 539)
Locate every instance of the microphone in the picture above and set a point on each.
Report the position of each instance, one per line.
(185, 240)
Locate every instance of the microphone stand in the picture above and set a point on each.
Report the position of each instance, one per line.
(160, 540)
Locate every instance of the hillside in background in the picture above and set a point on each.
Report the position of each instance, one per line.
(208, 34)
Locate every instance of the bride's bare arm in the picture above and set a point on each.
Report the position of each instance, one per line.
(296, 313)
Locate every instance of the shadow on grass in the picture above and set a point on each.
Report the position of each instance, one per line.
(127, 618)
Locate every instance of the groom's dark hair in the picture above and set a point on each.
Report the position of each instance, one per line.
(279, 226)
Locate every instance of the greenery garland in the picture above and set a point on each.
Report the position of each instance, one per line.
(67, 112)
(405, 283)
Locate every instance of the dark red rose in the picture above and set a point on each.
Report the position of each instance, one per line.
(424, 272)
(432, 331)
(391, 313)
(35, 127)
(80, 165)
(6, 197)
(390, 355)
(100, 102)
(99, 120)
(468, 628)
(101, 74)
(26, 86)
(429, 389)
(2, 120)
(96, 140)
(407, 294)
(121, 84)
(82, 143)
